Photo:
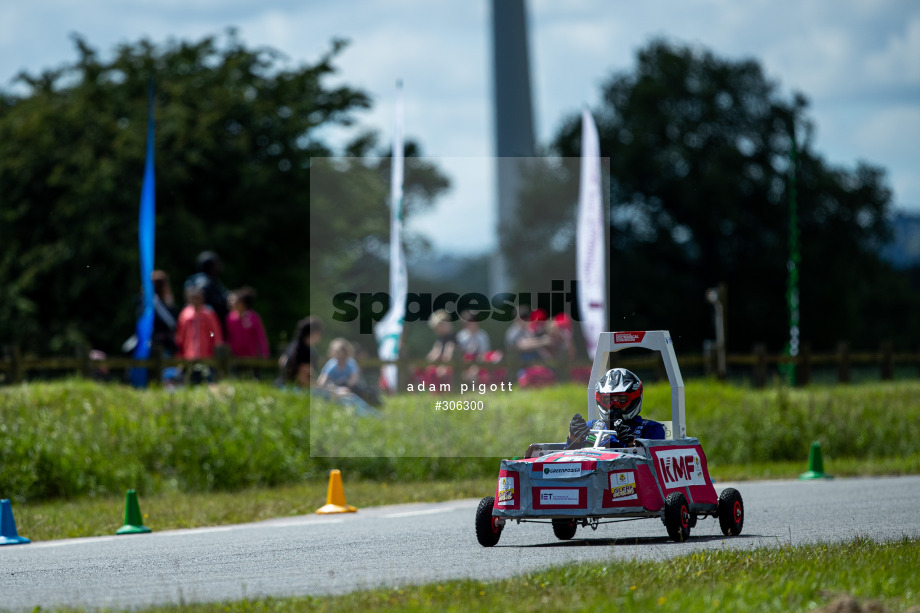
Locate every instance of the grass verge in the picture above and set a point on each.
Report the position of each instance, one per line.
(93, 516)
(861, 575)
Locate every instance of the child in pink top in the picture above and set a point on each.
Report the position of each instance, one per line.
(245, 332)
(198, 329)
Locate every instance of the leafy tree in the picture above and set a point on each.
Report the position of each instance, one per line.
(699, 152)
(236, 129)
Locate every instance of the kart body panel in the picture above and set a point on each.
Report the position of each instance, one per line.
(605, 483)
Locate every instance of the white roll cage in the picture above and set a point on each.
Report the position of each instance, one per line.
(655, 340)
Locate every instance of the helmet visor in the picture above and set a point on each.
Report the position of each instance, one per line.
(612, 399)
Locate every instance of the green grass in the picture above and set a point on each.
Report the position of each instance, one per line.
(736, 425)
(858, 576)
(242, 451)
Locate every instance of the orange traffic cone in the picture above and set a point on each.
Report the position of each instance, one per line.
(335, 498)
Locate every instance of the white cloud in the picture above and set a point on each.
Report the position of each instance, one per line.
(899, 61)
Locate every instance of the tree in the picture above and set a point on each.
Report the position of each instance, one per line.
(699, 154)
(236, 129)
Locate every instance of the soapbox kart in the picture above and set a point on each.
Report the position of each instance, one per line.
(654, 478)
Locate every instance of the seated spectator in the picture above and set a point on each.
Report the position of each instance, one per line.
(245, 331)
(561, 345)
(300, 362)
(516, 331)
(441, 352)
(473, 344)
(341, 373)
(445, 341)
(472, 341)
(536, 346)
(340, 378)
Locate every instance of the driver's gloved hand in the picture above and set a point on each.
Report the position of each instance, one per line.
(624, 433)
(578, 428)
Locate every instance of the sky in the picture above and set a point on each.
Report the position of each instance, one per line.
(857, 61)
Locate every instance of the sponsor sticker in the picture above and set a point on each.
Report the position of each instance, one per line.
(549, 496)
(681, 467)
(561, 470)
(629, 337)
(505, 490)
(623, 485)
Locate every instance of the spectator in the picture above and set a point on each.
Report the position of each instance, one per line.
(165, 313)
(210, 267)
(445, 339)
(245, 331)
(535, 346)
(472, 341)
(517, 331)
(441, 352)
(198, 330)
(560, 334)
(341, 374)
(341, 379)
(300, 360)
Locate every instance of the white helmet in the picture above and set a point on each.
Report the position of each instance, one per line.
(618, 394)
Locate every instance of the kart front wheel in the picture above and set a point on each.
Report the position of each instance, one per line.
(488, 530)
(677, 516)
(731, 512)
(564, 528)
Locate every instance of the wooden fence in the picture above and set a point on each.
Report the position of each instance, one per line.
(758, 367)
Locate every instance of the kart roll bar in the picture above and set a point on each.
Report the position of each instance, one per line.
(655, 340)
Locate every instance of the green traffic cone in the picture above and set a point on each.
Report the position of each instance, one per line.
(815, 464)
(134, 523)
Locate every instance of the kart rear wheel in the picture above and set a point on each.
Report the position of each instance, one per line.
(677, 516)
(731, 512)
(564, 528)
(487, 528)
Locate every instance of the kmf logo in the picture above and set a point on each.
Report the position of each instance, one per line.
(680, 467)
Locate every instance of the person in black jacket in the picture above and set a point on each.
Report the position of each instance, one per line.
(210, 266)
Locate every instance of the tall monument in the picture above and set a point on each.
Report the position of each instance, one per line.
(514, 133)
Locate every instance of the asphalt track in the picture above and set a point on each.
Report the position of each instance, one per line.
(412, 544)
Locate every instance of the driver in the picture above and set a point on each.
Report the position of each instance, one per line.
(618, 394)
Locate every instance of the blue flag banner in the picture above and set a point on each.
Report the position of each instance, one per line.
(145, 239)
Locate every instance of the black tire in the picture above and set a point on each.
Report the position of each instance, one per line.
(677, 516)
(487, 531)
(731, 512)
(564, 528)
